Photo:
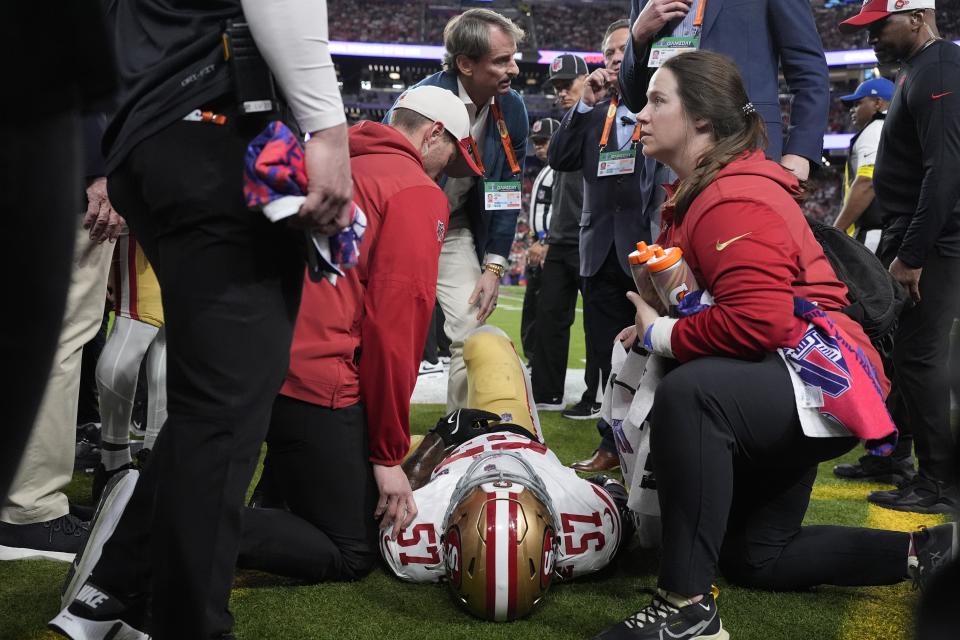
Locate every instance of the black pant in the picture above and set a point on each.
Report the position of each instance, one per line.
(734, 475)
(921, 359)
(556, 311)
(230, 283)
(437, 343)
(42, 186)
(528, 317)
(318, 464)
(921, 366)
(606, 312)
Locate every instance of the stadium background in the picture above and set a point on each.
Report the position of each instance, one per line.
(380, 48)
(383, 46)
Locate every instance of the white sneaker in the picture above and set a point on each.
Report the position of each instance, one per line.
(115, 497)
(426, 368)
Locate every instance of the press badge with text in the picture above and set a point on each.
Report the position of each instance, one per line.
(499, 196)
(617, 163)
(666, 48)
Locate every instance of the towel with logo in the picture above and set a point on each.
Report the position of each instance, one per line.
(275, 182)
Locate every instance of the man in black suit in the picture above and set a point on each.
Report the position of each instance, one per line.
(599, 136)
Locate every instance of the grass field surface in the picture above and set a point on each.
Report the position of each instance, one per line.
(267, 607)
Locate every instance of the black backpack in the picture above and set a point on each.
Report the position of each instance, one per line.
(876, 299)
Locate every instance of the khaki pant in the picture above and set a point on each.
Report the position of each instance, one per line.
(47, 463)
(459, 273)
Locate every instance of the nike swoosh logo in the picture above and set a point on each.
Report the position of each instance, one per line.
(723, 245)
(937, 96)
(450, 421)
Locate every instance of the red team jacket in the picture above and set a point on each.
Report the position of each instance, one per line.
(361, 340)
(748, 244)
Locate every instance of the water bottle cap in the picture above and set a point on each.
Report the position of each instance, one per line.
(664, 259)
(643, 253)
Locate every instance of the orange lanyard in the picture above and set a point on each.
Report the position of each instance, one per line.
(505, 138)
(701, 9)
(608, 124)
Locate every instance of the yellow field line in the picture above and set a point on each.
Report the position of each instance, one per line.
(878, 613)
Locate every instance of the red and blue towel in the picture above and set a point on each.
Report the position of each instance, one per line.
(275, 182)
(827, 359)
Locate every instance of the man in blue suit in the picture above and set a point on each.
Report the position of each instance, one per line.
(618, 206)
(758, 35)
(479, 66)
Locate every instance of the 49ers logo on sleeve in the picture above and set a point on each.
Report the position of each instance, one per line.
(451, 545)
(549, 560)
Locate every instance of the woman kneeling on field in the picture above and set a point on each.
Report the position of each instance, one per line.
(737, 433)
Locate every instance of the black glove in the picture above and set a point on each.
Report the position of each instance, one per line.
(463, 424)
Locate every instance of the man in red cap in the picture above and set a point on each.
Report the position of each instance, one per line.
(917, 191)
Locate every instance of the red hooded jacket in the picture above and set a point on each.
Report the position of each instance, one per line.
(748, 243)
(362, 338)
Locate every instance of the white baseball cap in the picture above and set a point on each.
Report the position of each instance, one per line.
(448, 109)
(874, 10)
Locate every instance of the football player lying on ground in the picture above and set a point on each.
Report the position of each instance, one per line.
(499, 516)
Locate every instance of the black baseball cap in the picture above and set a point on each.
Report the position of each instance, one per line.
(567, 67)
(544, 129)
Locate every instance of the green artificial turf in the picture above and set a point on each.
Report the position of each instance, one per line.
(268, 607)
(507, 317)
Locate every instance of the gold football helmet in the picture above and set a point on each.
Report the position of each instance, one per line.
(500, 538)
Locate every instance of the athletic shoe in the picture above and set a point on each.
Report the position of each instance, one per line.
(583, 410)
(86, 456)
(427, 368)
(115, 498)
(95, 614)
(877, 469)
(87, 453)
(445, 361)
(931, 549)
(662, 619)
(920, 495)
(141, 457)
(101, 477)
(57, 539)
(551, 404)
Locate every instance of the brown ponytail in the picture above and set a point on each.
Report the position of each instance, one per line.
(711, 89)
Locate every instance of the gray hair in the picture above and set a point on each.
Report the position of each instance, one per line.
(468, 34)
(614, 26)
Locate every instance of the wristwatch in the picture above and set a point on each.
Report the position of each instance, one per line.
(494, 268)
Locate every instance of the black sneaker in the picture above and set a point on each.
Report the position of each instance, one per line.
(877, 469)
(661, 619)
(95, 613)
(57, 539)
(87, 453)
(931, 549)
(550, 404)
(920, 495)
(101, 477)
(141, 457)
(583, 410)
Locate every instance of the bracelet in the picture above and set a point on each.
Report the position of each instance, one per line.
(494, 268)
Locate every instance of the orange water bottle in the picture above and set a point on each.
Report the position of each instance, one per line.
(671, 276)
